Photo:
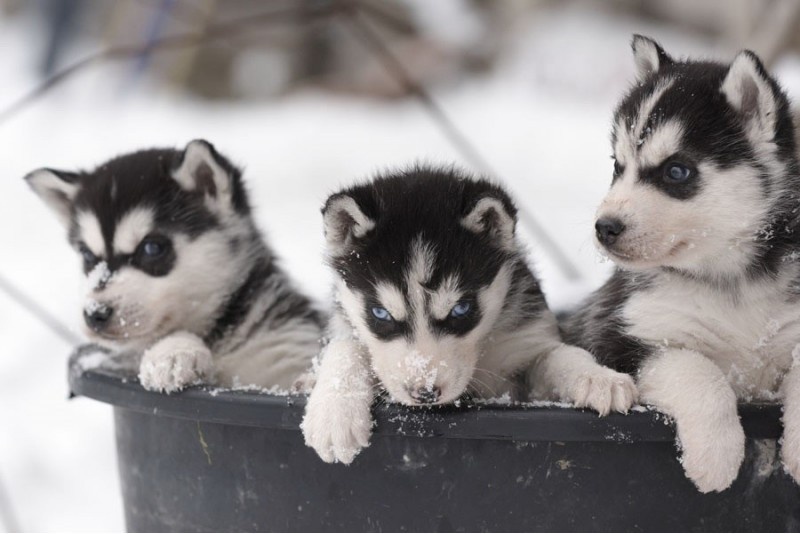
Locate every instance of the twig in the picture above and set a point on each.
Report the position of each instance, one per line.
(397, 70)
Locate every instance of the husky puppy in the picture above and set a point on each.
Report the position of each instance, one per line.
(434, 299)
(178, 272)
(702, 220)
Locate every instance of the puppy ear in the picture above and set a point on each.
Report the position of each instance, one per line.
(492, 217)
(201, 169)
(648, 56)
(344, 222)
(57, 189)
(748, 89)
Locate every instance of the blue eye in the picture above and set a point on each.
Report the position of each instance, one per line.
(152, 249)
(382, 314)
(88, 255)
(460, 309)
(677, 173)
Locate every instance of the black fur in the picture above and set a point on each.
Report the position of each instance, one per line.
(599, 327)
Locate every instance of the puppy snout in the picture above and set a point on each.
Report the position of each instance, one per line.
(98, 316)
(426, 395)
(608, 230)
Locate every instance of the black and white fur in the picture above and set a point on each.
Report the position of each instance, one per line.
(702, 219)
(178, 273)
(434, 299)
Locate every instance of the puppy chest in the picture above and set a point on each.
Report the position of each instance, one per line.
(751, 340)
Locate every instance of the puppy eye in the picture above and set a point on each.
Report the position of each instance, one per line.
(88, 256)
(153, 248)
(382, 314)
(677, 173)
(617, 168)
(460, 309)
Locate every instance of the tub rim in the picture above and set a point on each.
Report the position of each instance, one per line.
(522, 423)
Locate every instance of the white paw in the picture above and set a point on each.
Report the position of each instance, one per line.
(177, 361)
(604, 390)
(337, 427)
(712, 453)
(790, 452)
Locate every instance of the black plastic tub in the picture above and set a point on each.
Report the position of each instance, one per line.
(206, 460)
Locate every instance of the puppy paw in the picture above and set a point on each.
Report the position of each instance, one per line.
(712, 453)
(604, 390)
(177, 361)
(337, 427)
(790, 452)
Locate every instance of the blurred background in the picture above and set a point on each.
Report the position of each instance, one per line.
(307, 95)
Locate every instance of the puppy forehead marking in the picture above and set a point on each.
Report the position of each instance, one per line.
(631, 136)
(445, 297)
(420, 269)
(392, 299)
(131, 229)
(422, 259)
(90, 232)
(662, 143)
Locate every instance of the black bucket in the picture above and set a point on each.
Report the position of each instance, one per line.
(206, 460)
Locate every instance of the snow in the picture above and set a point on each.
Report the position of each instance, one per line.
(98, 277)
(541, 119)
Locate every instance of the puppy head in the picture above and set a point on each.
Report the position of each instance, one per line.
(156, 231)
(700, 150)
(423, 262)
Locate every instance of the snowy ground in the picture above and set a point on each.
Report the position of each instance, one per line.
(541, 120)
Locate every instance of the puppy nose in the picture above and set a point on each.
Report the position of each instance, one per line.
(426, 395)
(97, 317)
(608, 230)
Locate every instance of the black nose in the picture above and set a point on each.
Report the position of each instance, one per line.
(608, 230)
(97, 318)
(426, 395)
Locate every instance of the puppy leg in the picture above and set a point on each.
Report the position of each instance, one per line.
(572, 374)
(338, 423)
(690, 388)
(174, 362)
(790, 445)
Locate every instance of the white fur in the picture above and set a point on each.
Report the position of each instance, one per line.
(693, 390)
(750, 94)
(344, 220)
(657, 146)
(131, 229)
(197, 154)
(476, 221)
(750, 337)
(337, 422)
(393, 300)
(56, 193)
(568, 373)
(646, 58)
(90, 233)
(146, 307)
(444, 298)
(712, 234)
(174, 362)
(274, 358)
(790, 445)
